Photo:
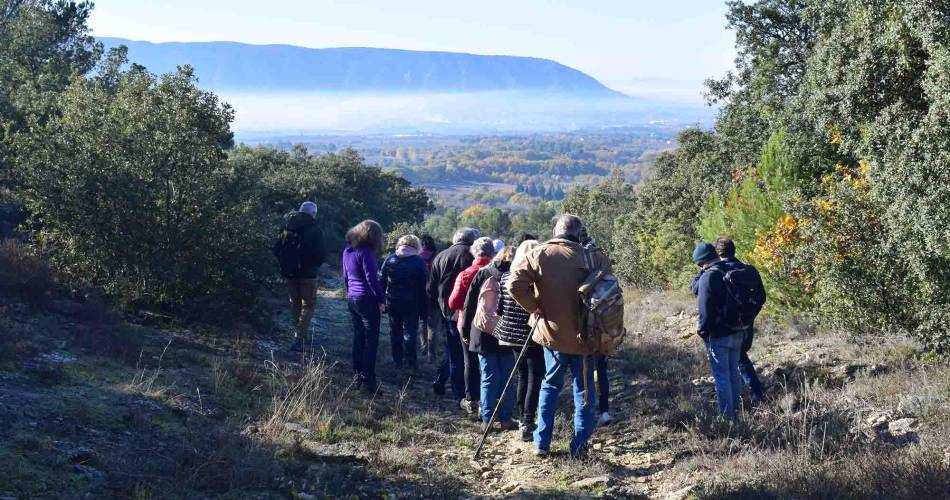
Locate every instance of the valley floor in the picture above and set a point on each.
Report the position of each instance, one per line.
(94, 406)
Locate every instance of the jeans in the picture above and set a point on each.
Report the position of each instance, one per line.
(603, 384)
(303, 301)
(724, 361)
(403, 328)
(496, 367)
(364, 313)
(557, 364)
(530, 374)
(747, 369)
(473, 375)
(452, 368)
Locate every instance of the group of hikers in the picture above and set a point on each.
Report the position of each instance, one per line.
(530, 308)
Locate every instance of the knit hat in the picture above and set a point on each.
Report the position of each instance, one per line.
(704, 252)
(498, 244)
(308, 207)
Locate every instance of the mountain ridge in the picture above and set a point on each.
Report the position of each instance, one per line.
(238, 66)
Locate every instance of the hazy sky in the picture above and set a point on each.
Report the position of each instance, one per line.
(635, 46)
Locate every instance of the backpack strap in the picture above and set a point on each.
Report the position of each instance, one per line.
(588, 260)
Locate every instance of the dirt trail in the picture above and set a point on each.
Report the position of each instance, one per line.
(623, 462)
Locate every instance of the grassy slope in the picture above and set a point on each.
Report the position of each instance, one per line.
(148, 412)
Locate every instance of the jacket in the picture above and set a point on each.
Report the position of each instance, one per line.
(463, 282)
(710, 290)
(360, 274)
(311, 242)
(403, 279)
(445, 268)
(547, 282)
(479, 341)
(512, 327)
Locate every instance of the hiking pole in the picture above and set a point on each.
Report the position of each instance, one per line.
(501, 397)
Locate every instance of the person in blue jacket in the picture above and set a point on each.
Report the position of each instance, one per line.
(404, 276)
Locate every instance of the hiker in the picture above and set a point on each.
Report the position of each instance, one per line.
(299, 251)
(547, 286)
(512, 330)
(445, 268)
(496, 361)
(404, 279)
(432, 322)
(365, 297)
(482, 252)
(726, 251)
(600, 368)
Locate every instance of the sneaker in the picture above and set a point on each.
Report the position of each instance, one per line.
(509, 425)
(604, 419)
(526, 432)
(470, 407)
(541, 452)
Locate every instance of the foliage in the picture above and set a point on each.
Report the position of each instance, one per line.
(491, 222)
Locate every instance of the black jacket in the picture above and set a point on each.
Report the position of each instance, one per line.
(512, 325)
(404, 284)
(311, 239)
(445, 268)
(479, 341)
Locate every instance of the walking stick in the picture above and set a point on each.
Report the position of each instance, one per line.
(501, 397)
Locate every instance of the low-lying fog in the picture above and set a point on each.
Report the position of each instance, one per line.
(450, 112)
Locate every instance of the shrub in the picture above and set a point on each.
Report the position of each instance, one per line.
(23, 271)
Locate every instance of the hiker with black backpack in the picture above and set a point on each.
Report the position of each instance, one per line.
(730, 295)
(299, 252)
(557, 284)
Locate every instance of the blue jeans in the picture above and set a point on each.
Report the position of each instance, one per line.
(496, 367)
(747, 369)
(452, 368)
(403, 330)
(364, 313)
(557, 364)
(724, 361)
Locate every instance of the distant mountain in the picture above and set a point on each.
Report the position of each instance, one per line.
(239, 67)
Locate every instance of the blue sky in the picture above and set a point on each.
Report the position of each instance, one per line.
(636, 46)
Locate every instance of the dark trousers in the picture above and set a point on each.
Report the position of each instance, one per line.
(403, 331)
(473, 376)
(452, 368)
(747, 369)
(603, 384)
(364, 313)
(530, 375)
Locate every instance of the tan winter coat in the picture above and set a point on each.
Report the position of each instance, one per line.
(548, 280)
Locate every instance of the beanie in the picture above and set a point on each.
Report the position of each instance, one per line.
(704, 252)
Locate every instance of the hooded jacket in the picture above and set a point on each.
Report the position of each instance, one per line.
(479, 341)
(445, 268)
(547, 281)
(311, 240)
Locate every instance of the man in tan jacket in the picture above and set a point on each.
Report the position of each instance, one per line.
(546, 285)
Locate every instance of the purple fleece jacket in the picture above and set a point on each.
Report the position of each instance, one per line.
(361, 274)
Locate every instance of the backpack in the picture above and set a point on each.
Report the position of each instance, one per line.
(290, 253)
(486, 311)
(601, 309)
(745, 296)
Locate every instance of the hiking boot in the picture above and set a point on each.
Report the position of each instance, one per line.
(507, 426)
(526, 432)
(541, 452)
(604, 419)
(470, 407)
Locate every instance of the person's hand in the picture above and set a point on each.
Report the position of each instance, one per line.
(465, 341)
(382, 308)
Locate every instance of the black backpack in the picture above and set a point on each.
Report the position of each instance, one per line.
(745, 295)
(290, 254)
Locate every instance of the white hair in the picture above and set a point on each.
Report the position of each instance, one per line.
(483, 247)
(568, 224)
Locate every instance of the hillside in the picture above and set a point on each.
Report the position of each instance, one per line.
(231, 66)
